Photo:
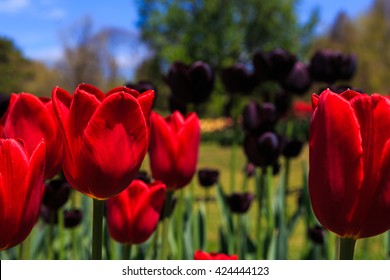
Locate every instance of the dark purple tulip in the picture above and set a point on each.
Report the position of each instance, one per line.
(259, 117)
(282, 102)
(341, 88)
(208, 177)
(274, 65)
(177, 105)
(143, 176)
(298, 80)
(329, 66)
(4, 102)
(292, 148)
(250, 169)
(72, 218)
(262, 150)
(170, 210)
(190, 83)
(56, 194)
(142, 86)
(202, 79)
(316, 234)
(239, 203)
(238, 79)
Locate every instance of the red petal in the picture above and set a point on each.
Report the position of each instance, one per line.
(90, 89)
(187, 157)
(146, 102)
(114, 146)
(162, 150)
(336, 166)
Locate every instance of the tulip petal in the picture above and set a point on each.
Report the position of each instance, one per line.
(29, 120)
(187, 154)
(147, 213)
(15, 187)
(336, 166)
(91, 90)
(146, 102)
(162, 150)
(110, 127)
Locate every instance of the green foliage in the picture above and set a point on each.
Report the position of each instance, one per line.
(14, 68)
(219, 32)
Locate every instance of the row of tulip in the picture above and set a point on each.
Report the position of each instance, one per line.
(99, 141)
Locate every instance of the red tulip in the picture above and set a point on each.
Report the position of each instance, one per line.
(349, 184)
(133, 215)
(106, 137)
(200, 255)
(174, 145)
(32, 119)
(21, 188)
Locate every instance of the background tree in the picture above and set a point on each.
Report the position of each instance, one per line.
(15, 69)
(220, 32)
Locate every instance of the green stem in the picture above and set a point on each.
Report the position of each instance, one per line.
(165, 225)
(61, 225)
(233, 157)
(24, 248)
(180, 226)
(346, 248)
(97, 229)
(50, 252)
(260, 180)
(126, 251)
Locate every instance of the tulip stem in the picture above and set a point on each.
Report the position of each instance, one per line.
(346, 248)
(97, 229)
(180, 226)
(165, 225)
(126, 251)
(260, 181)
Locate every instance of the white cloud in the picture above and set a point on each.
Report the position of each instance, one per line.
(56, 14)
(13, 6)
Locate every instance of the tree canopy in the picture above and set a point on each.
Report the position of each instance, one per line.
(221, 32)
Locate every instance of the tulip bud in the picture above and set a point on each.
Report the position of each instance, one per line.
(316, 234)
(274, 65)
(56, 194)
(72, 218)
(258, 118)
(298, 80)
(239, 203)
(237, 79)
(262, 150)
(208, 177)
(292, 148)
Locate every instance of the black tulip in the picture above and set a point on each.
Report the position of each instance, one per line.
(56, 194)
(202, 80)
(262, 150)
(72, 218)
(282, 102)
(259, 117)
(177, 105)
(143, 176)
(329, 66)
(142, 86)
(208, 177)
(238, 79)
(190, 83)
(4, 102)
(164, 215)
(298, 81)
(292, 148)
(239, 203)
(316, 234)
(274, 65)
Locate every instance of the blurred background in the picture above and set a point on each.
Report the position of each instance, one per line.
(48, 43)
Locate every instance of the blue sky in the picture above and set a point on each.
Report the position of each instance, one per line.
(36, 26)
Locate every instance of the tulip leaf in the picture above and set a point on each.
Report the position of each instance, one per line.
(202, 227)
